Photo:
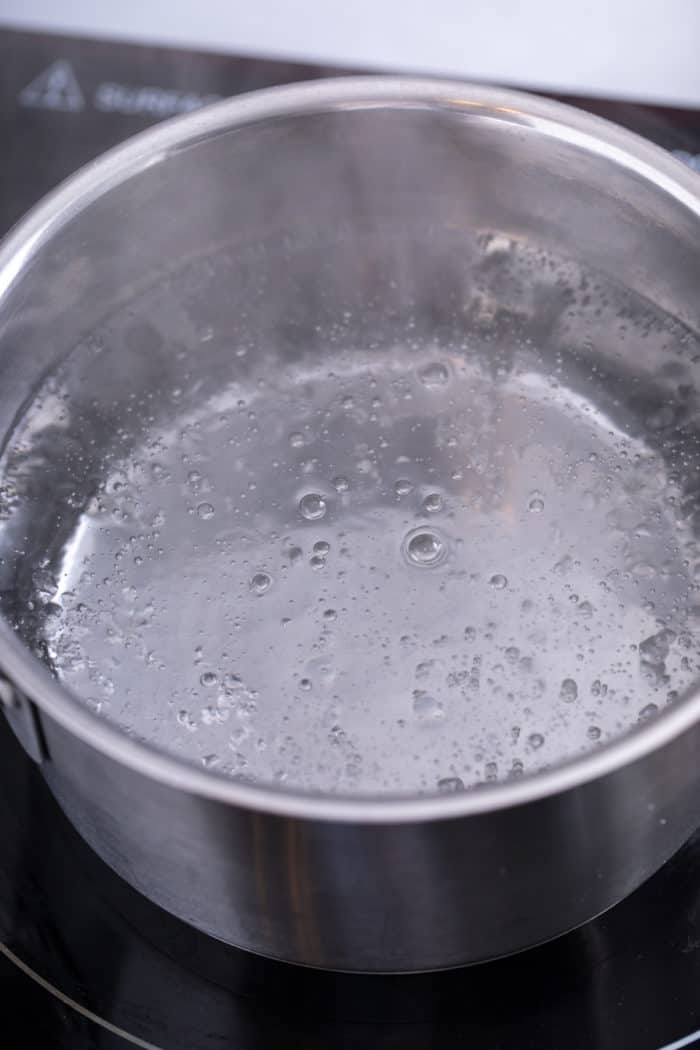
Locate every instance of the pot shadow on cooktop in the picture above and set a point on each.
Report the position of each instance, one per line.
(81, 927)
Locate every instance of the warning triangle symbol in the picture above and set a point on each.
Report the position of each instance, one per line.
(56, 88)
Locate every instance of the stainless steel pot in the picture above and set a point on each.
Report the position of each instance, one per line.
(350, 883)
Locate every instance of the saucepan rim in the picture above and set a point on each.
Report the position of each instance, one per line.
(468, 101)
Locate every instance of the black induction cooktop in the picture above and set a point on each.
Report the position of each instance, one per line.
(86, 962)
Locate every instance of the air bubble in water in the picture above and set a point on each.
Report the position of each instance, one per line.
(433, 503)
(205, 510)
(185, 719)
(434, 374)
(340, 484)
(563, 566)
(208, 679)
(499, 581)
(644, 570)
(569, 691)
(535, 740)
(424, 548)
(450, 785)
(655, 649)
(427, 708)
(402, 487)
(312, 506)
(322, 548)
(536, 505)
(260, 582)
(296, 440)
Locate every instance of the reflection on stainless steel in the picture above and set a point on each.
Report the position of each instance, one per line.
(351, 450)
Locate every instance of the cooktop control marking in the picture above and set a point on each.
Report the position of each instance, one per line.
(55, 88)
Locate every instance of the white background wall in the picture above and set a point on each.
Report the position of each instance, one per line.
(637, 49)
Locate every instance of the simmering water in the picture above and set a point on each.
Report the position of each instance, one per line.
(406, 567)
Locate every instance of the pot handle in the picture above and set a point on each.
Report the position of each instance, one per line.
(23, 719)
